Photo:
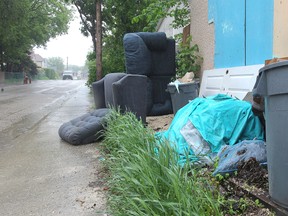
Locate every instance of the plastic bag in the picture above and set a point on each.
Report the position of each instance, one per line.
(231, 156)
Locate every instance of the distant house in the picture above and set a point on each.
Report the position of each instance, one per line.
(38, 60)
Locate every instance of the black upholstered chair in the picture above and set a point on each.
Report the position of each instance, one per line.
(124, 91)
(150, 65)
(152, 55)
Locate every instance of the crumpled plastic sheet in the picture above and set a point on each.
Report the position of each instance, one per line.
(231, 156)
(196, 142)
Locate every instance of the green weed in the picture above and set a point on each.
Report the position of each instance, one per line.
(145, 177)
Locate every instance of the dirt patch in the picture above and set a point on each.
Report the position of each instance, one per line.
(249, 173)
(253, 174)
(159, 123)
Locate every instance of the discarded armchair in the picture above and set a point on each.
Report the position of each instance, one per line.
(150, 65)
(124, 91)
(152, 55)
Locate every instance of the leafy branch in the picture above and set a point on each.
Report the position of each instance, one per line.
(187, 57)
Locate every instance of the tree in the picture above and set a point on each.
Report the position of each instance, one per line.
(159, 9)
(87, 12)
(51, 74)
(28, 23)
(57, 64)
(98, 37)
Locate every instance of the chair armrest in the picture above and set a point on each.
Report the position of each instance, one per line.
(99, 95)
(130, 94)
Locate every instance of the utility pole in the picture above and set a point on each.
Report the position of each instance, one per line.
(98, 40)
(67, 63)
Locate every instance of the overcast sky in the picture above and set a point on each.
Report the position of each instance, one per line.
(73, 45)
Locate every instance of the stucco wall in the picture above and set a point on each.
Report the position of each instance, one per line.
(165, 26)
(280, 28)
(202, 32)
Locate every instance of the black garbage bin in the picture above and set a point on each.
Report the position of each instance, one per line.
(181, 96)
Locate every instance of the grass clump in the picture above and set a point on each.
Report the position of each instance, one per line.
(145, 177)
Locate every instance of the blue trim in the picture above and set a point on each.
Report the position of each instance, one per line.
(259, 32)
(229, 33)
(243, 31)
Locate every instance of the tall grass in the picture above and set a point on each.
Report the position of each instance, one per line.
(144, 175)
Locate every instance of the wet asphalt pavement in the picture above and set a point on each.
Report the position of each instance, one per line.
(39, 173)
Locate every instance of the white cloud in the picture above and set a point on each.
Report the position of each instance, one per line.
(73, 45)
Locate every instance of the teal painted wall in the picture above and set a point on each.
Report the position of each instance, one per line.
(243, 31)
(259, 31)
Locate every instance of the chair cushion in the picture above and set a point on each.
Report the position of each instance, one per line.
(85, 129)
(137, 55)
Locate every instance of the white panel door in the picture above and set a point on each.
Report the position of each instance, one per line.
(235, 81)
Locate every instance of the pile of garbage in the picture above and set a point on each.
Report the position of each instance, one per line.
(216, 127)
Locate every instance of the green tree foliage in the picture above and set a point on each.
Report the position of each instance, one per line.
(74, 68)
(51, 74)
(188, 59)
(28, 23)
(56, 64)
(91, 64)
(160, 9)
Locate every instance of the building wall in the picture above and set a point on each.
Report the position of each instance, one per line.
(165, 26)
(243, 31)
(239, 32)
(202, 31)
(280, 38)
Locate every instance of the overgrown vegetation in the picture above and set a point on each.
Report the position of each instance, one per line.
(188, 58)
(144, 176)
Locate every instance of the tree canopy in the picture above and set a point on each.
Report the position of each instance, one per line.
(57, 64)
(28, 23)
(160, 9)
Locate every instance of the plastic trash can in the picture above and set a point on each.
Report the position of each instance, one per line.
(272, 83)
(187, 91)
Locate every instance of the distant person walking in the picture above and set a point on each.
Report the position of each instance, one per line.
(25, 81)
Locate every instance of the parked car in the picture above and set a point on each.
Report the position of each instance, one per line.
(67, 75)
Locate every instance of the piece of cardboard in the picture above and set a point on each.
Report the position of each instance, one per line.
(275, 60)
